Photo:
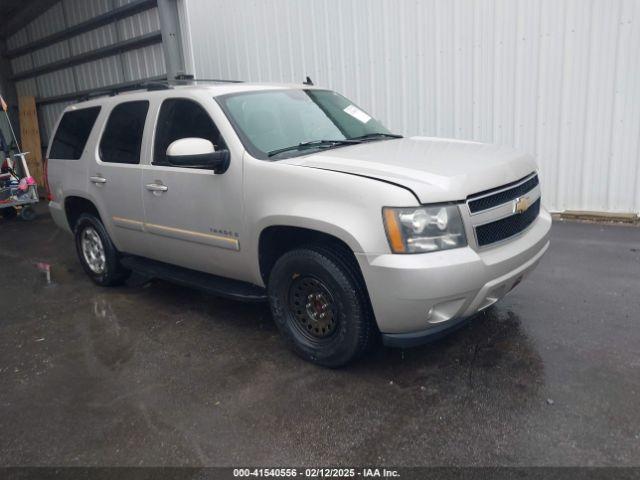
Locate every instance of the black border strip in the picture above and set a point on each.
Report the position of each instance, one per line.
(320, 472)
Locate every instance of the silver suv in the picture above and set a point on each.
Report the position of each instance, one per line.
(295, 195)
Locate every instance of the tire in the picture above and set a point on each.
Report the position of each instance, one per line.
(8, 212)
(27, 213)
(97, 254)
(307, 282)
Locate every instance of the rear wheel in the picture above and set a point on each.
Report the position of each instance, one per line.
(320, 305)
(27, 213)
(98, 256)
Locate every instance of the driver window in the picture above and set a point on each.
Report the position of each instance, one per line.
(182, 118)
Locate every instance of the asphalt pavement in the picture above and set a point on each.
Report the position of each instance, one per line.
(156, 374)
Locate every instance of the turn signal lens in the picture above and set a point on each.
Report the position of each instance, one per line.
(394, 232)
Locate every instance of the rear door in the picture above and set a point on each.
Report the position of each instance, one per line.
(66, 172)
(193, 216)
(115, 175)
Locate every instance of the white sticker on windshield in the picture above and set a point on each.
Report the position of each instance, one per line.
(356, 113)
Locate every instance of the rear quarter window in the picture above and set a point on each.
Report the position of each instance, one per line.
(122, 138)
(72, 133)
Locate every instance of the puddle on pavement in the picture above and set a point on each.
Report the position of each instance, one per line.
(492, 353)
(109, 342)
(50, 274)
(45, 269)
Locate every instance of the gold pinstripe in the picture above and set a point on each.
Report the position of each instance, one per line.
(193, 233)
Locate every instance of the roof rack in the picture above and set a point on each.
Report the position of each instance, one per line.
(180, 79)
(184, 77)
(111, 92)
(153, 86)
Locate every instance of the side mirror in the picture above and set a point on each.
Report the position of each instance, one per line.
(197, 153)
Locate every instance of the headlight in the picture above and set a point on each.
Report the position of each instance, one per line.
(424, 229)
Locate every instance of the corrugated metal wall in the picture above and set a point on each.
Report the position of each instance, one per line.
(132, 65)
(557, 78)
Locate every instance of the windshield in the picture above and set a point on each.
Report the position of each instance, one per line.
(277, 124)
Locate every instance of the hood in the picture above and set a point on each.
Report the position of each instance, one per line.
(435, 169)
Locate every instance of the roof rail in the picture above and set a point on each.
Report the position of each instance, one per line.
(153, 86)
(111, 92)
(184, 77)
(181, 79)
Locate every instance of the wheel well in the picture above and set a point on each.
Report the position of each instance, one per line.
(277, 240)
(76, 206)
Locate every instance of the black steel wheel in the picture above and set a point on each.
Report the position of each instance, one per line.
(320, 305)
(314, 311)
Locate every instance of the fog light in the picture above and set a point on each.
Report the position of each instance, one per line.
(429, 314)
(445, 311)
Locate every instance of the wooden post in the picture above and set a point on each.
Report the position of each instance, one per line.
(30, 137)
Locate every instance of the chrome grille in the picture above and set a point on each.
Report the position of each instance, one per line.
(504, 212)
(487, 201)
(507, 227)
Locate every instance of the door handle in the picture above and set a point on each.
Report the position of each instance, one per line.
(98, 180)
(156, 187)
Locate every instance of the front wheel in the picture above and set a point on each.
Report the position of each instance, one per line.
(98, 256)
(320, 305)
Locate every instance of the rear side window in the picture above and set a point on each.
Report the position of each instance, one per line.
(182, 118)
(122, 138)
(72, 134)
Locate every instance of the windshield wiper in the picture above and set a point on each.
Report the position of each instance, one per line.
(315, 144)
(376, 135)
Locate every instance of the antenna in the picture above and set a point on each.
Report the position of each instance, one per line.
(308, 81)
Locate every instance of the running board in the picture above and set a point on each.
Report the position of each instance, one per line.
(219, 286)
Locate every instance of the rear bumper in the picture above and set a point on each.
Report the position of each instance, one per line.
(59, 215)
(416, 297)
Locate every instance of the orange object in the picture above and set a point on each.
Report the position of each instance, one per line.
(393, 231)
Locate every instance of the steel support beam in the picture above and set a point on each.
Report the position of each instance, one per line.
(114, 15)
(137, 42)
(171, 39)
(8, 88)
(29, 11)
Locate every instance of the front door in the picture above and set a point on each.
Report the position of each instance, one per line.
(192, 216)
(115, 175)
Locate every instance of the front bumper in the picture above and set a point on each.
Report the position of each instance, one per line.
(417, 297)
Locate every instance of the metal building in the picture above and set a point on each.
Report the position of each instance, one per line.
(557, 78)
(77, 46)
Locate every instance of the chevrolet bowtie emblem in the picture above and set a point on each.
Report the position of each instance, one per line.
(521, 204)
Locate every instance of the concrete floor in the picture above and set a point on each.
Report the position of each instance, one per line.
(153, 374)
